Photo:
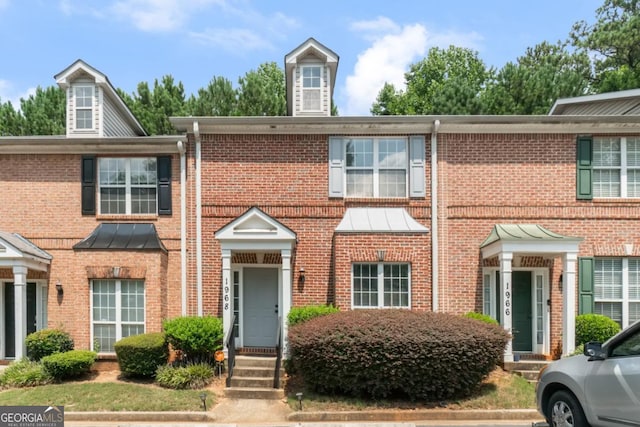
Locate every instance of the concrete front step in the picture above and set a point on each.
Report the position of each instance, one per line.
(527, 369)
(253, 378)
(254, 393)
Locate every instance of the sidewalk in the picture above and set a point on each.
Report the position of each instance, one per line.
(232, 411)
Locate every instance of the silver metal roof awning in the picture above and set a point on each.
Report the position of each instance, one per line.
(122, 236)
(379, 220)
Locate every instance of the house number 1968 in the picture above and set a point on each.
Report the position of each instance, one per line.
(226, 294)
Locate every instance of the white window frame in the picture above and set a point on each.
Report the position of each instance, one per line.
(623, 168)
(625, 300)
(311, 88)
(380, 280)
(84, 108)
(375, 167)
(118, 309)
(127, 186)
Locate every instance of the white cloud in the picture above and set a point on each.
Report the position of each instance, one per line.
(158, 15)
(4, 3)
(232, 39)
(393, 49)
(10, 94)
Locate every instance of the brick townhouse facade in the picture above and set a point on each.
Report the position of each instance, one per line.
(530, 219)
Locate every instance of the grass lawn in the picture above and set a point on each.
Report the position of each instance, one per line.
(108, 392)
(500, 390)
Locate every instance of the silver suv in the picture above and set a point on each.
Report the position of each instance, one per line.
(600, 388)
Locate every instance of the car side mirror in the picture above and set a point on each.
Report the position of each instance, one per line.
(593, 350)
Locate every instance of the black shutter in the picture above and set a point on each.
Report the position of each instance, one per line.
(584, 172)
(164, 185)
(88, 185)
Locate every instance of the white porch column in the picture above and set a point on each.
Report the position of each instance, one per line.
(569, 261)
(286, 298)
(227, 297)
(506, 290)
(20, 309)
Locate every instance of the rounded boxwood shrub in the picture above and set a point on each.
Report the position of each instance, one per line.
(308, 312)
(481, 317)
(24, 373)
(594, 327)
(189, 376)
(197, 338)
(70, 364)
(140, 355)
(47, 341)
(384, 353)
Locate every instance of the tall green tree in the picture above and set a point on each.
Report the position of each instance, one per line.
(153, 108)
(44, 112)
(543, 74)
(11, 121)
(615, 38)
(217, 99)
(446, 81)
(262, 92)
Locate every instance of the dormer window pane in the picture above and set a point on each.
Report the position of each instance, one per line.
(84, 107)
(311, 88)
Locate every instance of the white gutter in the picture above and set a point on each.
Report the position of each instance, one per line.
(434, 215)
(196, 133)
(183, 225)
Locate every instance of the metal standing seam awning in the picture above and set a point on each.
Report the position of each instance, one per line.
(122, 236)
(527, 238)
(379, 220)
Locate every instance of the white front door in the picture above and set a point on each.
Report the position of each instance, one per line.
(260, 307)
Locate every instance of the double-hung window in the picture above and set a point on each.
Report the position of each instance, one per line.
(376, 167)
(616, 167)
(117, 311)
(83, 98)
(617, 289)
(381, 285)
(311, 88)
(128, 185)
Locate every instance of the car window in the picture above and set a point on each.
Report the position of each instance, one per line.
(628, 347)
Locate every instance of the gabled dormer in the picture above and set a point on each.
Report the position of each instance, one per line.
(94, 108)
(311, 72)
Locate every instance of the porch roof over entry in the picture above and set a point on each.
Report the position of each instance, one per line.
(526, 238)
(17, 250)
(379, 220)
(122, 236)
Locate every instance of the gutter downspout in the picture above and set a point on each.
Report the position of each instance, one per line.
(434, 216)
(196, 133)
(183, 225)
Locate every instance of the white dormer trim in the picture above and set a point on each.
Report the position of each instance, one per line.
(298, 58)
(80, 73)
(254, 229)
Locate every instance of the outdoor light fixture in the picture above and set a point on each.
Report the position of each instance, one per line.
(302, 277)
(59, 288)
(299, 396)
(381, 254)
(560, 282)
(203, 398)
(116, 272)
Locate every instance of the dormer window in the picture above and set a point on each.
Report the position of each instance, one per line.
(311, 88)
(83, 101)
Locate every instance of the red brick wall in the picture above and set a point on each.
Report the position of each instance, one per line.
(40, 199)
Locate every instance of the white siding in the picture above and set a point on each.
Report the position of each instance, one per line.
(114, 124)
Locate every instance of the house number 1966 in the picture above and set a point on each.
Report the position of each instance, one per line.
(507, 300)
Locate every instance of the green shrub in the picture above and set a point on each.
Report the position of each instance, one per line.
(140, 355)
(47, 341)
(24, 373)
(302, 314)
(388, 353)
(70, 364)
(189, 376)
(482, 317)
(197, 338)
(594, 327)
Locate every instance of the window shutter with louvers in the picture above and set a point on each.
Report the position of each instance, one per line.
(417, 184)
(585, 285)
(584, 171)
(88, 192)
(164, 185)
(336, 167)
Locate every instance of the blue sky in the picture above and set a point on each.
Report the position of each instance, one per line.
(194, 40)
